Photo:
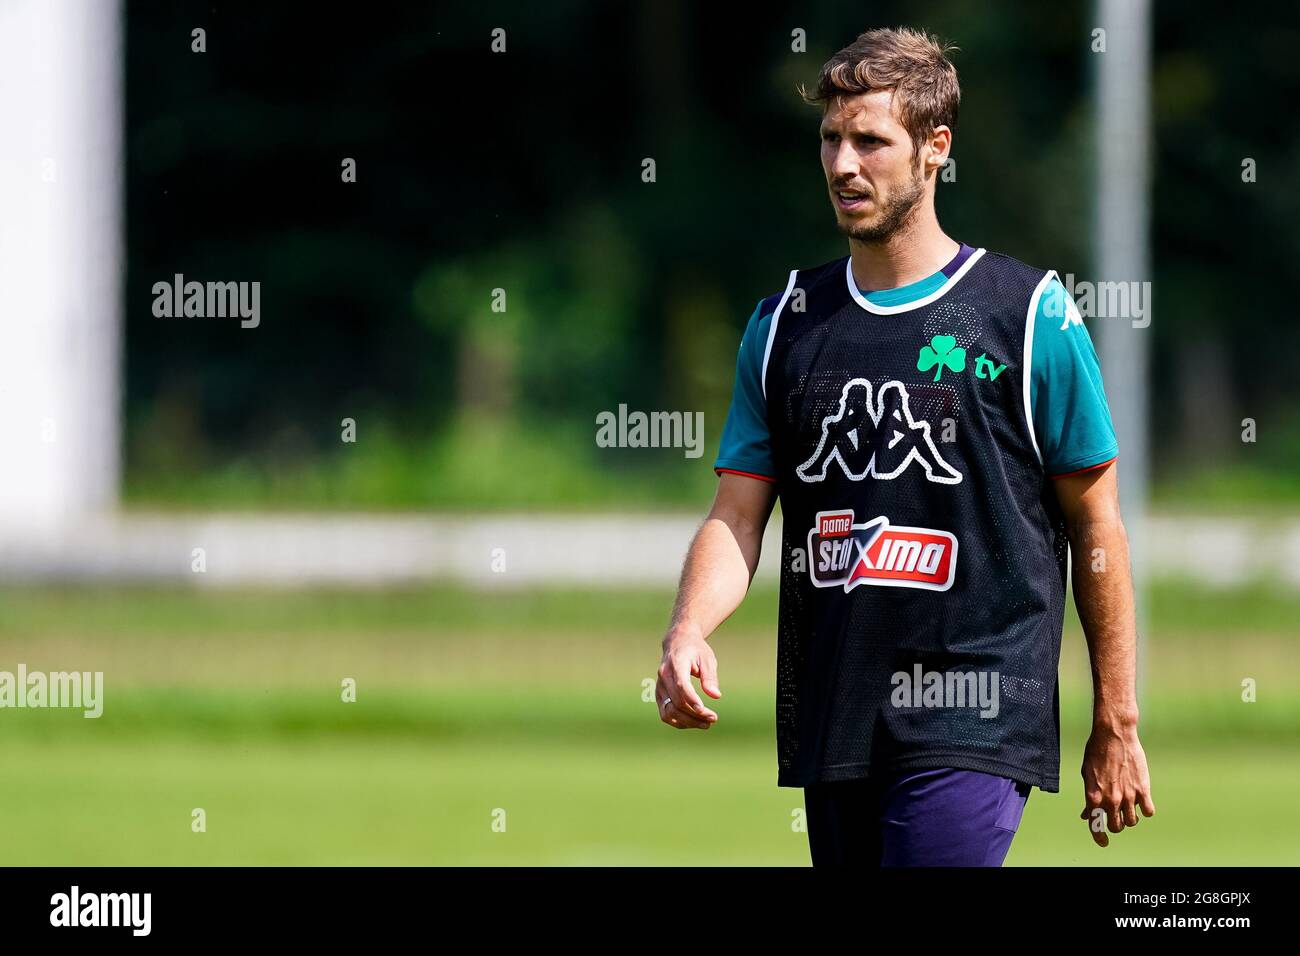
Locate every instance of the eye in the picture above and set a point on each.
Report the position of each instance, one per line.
(830, 137)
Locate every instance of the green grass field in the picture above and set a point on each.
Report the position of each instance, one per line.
(471, 704)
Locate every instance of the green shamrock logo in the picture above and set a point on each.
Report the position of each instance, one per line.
(942, 352)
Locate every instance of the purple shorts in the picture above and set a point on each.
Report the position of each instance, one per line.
(942, 817)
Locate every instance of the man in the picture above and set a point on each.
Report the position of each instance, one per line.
(932, 418)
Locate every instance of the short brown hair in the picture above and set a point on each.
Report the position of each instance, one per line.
(913, 64)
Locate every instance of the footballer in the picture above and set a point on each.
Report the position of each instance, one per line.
(931, 416)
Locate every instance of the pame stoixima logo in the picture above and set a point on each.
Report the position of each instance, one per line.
(844, 554)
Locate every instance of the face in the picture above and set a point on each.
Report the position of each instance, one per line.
(875, 184)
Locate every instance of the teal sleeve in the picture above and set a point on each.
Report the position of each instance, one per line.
(746, 444)
(1068, 402)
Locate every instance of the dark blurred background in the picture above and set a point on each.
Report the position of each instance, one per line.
(522, 171)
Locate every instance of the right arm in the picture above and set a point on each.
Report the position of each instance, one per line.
(724, 552)
(719, 567)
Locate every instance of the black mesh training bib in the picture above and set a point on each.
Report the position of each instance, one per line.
(924, 555)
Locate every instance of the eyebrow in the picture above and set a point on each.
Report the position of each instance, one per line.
(823, 130)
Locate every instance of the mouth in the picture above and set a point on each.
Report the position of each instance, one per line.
(850, 200)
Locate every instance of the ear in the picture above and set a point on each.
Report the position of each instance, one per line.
(937, 148)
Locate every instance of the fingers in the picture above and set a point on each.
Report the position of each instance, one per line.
(707, 671)
(1132, 803)
(1095, 815)
(672, 715)
(675, 716)
(682, 692)
(1129, 813)
(675, 673)
(1118, 811)
(679, 705)
(1092, 798)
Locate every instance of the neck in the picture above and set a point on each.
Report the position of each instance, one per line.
(918, 250)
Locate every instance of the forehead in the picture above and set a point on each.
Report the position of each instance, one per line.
(861, 111)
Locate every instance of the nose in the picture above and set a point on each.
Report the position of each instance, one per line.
(844, 165)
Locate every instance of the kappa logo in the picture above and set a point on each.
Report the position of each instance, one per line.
(844, 554)
(878, 439)
(1072, 316)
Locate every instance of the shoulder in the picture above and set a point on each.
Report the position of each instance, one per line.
(767, 306)
(1035, 296)
(827, 275)
(1015, 278)
(802, 280)
(754, 340)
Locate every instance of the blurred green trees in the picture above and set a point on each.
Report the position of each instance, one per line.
(521, 172)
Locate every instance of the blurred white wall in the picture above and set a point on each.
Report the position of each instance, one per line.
(61, 261)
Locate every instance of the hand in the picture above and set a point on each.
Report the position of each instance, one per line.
(686, 655)
(1115, 780)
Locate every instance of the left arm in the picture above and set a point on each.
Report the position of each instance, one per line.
(1115, 777)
